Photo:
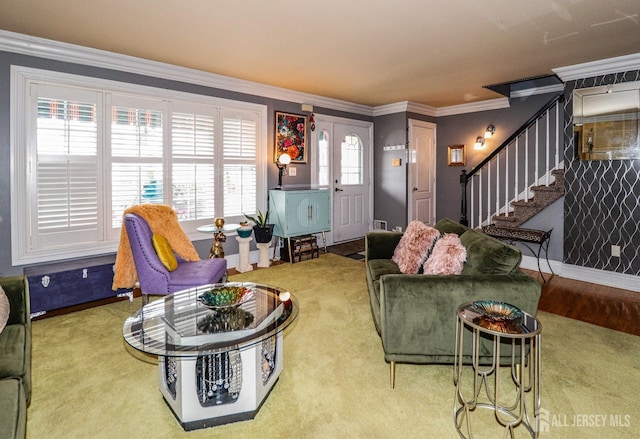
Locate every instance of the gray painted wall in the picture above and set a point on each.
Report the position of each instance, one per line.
(7, 59)
(390, 182)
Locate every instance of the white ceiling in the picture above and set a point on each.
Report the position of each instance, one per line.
(371, 52)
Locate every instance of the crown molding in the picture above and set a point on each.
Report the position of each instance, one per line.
(473, 107)
(383, 110)
(557, 88)
(600, 67)
(405, 107)
(59, 51)
(426, 110)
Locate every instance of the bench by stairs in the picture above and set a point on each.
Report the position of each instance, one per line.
(507, 227)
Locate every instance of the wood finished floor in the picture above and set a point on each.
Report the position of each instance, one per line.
(600, 305)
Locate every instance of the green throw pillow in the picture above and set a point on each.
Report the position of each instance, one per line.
(164, 252)
(486, 255)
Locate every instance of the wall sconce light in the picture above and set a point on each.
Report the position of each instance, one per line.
(490, 131)
(283, 160)
(479, 143)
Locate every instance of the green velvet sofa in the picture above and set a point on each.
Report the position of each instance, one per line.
(415, 314)
(15, 359)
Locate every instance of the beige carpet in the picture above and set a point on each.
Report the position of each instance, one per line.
(89, 384)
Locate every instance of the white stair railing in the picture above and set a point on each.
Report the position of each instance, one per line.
(529, 155)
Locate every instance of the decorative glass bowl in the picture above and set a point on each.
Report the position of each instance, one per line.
(225, 298)
(498, 311)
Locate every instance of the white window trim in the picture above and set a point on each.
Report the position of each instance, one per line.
(21, 77)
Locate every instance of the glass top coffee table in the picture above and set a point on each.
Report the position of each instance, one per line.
(217, 364)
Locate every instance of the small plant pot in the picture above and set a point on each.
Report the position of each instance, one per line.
(263, 234)
(244, 231)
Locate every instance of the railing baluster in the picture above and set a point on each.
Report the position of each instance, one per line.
(473, 199)
(516, 190)
(480, 197)
(558, 128)
(497, 211)
(488, 192)
(536, 174)
(526, 165)
(546, 163)
(506, 180)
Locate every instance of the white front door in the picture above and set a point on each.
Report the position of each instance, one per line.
(422, 171)
(351, 149)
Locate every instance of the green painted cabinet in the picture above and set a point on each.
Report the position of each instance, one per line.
(299, 212)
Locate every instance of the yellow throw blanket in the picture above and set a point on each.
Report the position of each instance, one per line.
(162, 220)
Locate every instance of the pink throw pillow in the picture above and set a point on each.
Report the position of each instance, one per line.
(414, 246)
(4, 309)
(447, 257)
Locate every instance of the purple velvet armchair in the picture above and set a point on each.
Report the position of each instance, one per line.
(153, 276)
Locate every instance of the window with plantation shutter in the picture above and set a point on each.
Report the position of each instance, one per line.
(240, 167)
(137, 154)
(65, 200)
(86, 149)
(193, 166)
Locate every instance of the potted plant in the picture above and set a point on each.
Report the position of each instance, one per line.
(262, 230)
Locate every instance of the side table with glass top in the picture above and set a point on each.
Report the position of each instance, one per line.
(219, 228)
(216, 365)
(495, 326)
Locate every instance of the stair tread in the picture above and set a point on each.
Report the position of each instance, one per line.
(551, 188)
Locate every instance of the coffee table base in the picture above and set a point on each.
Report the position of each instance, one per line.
(220, 388)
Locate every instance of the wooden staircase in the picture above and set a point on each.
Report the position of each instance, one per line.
(521, 177)
(523, 210)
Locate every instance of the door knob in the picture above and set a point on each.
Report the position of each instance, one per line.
(415, 189)
(338, 190)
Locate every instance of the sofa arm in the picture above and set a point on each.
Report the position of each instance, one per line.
(17, 291)
(418, 312)
(381, 245)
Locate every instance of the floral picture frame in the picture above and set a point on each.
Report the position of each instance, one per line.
(291, 137)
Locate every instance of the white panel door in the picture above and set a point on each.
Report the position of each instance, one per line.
(422, 171)
(351, 148)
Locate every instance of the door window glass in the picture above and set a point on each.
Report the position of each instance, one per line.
(323, 158)
(351, 160)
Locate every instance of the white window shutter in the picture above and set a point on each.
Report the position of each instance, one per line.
(66, 183)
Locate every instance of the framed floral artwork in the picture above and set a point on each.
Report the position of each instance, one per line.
(291, 137)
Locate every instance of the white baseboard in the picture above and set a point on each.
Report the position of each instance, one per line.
(531, 263)
(601, 277)
(585, 274)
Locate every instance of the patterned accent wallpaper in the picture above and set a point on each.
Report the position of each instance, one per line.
(602, 198)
